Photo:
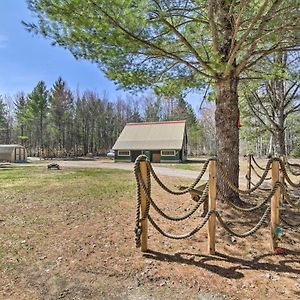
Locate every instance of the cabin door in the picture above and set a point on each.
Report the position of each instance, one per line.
(155, 157)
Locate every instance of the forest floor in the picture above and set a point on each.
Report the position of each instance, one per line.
(68, 234)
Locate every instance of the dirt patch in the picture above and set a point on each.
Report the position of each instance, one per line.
(70, 235)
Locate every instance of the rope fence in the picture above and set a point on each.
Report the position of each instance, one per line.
(286, 167)
(294, 169)
(270, 206)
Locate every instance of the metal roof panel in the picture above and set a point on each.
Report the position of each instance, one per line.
(151, 136)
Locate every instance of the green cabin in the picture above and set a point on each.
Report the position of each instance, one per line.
(159, 141)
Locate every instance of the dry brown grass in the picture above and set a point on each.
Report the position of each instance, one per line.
(69, 235)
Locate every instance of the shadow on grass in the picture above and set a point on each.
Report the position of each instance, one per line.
(231, 272)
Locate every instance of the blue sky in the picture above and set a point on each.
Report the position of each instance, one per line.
(26, 59)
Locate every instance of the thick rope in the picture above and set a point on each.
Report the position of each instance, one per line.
(262, 178)
(254, 208)
(289, 166)
(138, 228)
(146, 188)
(295, 204)
(185, 235)
(249, 232)
(255, 162)
(285, 174)
(171, 218)
(259, 176)
(187, 190)
(248, 191)
(138, 220)
(260, 188)
(292, 171)
(284, 221)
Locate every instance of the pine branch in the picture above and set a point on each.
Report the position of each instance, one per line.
(148, 43)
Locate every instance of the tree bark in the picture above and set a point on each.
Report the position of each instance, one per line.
(227, 133)
(279, 142)
(279, 103)
(227, 110)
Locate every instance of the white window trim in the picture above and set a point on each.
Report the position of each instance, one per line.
(123, 151)
(161, 153)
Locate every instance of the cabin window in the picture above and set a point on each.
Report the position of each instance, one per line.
(168, 152)
(123, 153)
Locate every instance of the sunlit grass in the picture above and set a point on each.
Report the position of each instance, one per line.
(39, 182)
(197, 166)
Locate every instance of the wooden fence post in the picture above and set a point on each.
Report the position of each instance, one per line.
(212, 195)
(275, 205)
(249, 173)
(144, 223)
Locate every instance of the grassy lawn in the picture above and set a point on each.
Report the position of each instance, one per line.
(197, 166)
(66, 183)
(68, 234)
(186, 166)
(37, 207)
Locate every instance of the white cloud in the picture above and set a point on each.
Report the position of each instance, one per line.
(3, 40)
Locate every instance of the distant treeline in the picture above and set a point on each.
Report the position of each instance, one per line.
(56, 122)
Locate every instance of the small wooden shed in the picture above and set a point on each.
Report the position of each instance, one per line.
(13, 153)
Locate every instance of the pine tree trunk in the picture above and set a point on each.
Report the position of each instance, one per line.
(279, 142)
(227, 134)
(279, 107)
